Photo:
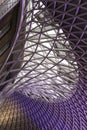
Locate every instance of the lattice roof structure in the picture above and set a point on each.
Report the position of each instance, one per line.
(44, 73)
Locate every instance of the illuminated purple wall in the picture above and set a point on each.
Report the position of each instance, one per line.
(30, 114)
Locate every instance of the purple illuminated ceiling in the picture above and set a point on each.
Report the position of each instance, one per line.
(48, 91)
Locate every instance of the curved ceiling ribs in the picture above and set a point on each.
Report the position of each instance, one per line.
(51, 85)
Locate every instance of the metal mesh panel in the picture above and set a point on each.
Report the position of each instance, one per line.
(51, 66)
(49, 69)
(20, 112)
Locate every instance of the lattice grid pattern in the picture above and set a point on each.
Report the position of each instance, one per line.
(53, 66)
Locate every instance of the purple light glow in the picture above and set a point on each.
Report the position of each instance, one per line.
(51, 83)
